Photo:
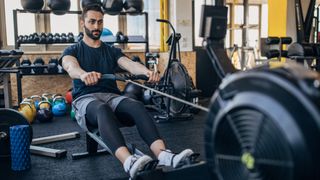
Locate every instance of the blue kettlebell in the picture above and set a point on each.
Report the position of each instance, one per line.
(36, 99)
(59, 106)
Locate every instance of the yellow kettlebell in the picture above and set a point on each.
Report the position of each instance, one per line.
(26, 110)
(33, 107)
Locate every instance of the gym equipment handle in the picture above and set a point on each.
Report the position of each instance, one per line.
(125, 77)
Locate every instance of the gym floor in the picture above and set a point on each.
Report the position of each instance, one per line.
(178, 135)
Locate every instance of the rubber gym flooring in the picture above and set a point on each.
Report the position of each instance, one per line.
(177, 135)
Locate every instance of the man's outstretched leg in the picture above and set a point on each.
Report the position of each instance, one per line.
(135, 110)
(99, 114)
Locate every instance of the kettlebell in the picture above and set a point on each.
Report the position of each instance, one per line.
(44, 113)
(72, 115)
(53, 66)
(36, 99)
(25, 63)
(26, 110)
(69, 96)
(47, 96)
(38, 66)
(33, 107)
(59, 106)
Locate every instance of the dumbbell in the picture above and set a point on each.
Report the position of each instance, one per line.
(25, 63)
(31, 38)
(56, 38)
(63, 37)
(20, 39)
(36, 38)
(42, 38)
(25, 39)
(80, 36)
(70, 37)
(44, 113)
(38, 66)
(53, 66)
(49, 38)
(121, 37)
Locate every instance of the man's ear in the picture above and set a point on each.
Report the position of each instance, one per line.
(81, 22)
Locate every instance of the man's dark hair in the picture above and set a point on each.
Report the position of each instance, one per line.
(93, 7)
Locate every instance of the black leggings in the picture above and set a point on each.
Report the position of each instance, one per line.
(127, 113)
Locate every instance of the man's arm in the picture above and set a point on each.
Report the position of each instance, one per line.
(71, 65)
(137, 68)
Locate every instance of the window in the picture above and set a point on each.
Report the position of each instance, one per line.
(26, 23)
(111, 23)
(238, 14)
(58, 22)
(264, 20)
(197, 15)
(136, 24)
(234, 32)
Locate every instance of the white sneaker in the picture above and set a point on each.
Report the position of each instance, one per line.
(134, 164)
(168, 158)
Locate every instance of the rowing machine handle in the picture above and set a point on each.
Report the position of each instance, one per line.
(124, 78)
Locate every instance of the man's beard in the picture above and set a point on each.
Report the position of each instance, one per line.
(90, 33)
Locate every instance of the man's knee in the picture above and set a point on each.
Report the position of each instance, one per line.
(134, 103)
(102, 108)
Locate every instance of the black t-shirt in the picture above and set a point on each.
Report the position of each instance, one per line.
(102, 59)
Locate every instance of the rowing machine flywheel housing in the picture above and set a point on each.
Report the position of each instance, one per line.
(265, 124)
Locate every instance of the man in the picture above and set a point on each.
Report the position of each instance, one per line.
(97, 102)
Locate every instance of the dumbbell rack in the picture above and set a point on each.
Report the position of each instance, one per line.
(131, 39)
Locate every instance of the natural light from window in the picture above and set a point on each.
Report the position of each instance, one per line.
(26, 21)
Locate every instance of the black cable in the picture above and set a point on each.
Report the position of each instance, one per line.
(214, 59)
(179, 51)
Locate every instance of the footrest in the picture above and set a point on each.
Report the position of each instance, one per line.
(192, 159)
(150, 165)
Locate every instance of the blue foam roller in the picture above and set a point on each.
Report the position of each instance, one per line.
(20, 147)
